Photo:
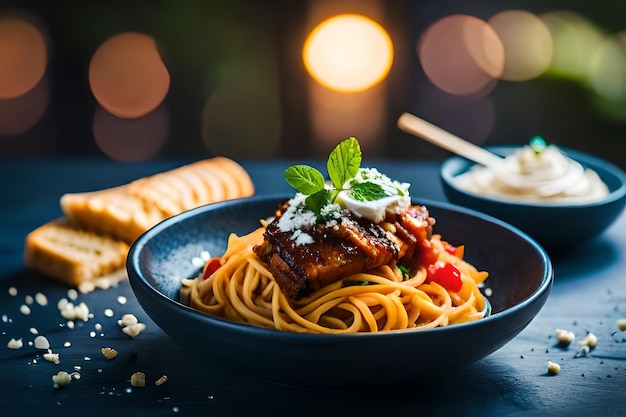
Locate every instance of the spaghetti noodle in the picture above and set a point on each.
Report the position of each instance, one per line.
(382, 299)
(346, 256)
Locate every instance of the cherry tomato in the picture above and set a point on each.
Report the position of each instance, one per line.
(446, 275)
(210, 267)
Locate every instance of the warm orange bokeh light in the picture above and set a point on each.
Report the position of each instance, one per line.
(527, 44)
(127, 75)
(23, 57)
(348, 53)
(461, 54)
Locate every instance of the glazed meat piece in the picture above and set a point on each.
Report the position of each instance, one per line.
(337, 249)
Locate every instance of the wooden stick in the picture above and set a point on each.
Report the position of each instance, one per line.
(446, 140)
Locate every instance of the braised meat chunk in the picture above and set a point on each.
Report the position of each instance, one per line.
(324, 252)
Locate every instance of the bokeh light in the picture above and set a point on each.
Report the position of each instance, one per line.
(575, 41)
(608, 69)
(335, 116)
(348, 53)
(461, 54)
(131, 140)
(127, 75)
(527, 44)
(23, 57)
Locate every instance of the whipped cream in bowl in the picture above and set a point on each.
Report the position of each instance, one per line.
(541, 174)
(560, 197)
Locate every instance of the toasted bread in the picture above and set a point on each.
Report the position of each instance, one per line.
(71, 254)
(125, 212)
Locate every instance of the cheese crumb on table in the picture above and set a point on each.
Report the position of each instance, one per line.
(109, 353)
(42, 343)
(590, 340)
(52, 357)
(564, 337)
(15, 344)
(161, 380)
(138, 379)
(553, 368)
(61, 379)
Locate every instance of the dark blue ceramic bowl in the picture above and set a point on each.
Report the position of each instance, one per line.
(521, 279)
(554, 227)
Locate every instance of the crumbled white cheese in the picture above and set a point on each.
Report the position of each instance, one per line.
(553, 368)
(61, 379)
(564, 337)
(15, 344)
(301, 238)
(71, 312)
(590, 340)
(397, 200)
(41, 299)
(133, 330)
(52, 357)
(296, 216)
(130, 325)
(42, 343)
(72, 294)
(128, 320)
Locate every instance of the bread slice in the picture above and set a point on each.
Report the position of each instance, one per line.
(73, 255)
(127, 211)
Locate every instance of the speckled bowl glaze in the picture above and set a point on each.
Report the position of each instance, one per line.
(520, 277)
(555, 227)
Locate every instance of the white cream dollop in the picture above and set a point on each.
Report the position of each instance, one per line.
(546, 177)
(397, 196)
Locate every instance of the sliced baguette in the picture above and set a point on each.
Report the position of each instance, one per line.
(127, 211)
(70, 254)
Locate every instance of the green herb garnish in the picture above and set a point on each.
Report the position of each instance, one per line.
(404, 271)
(537, 144)
(354, 283)
(367, 191)
(343, 163)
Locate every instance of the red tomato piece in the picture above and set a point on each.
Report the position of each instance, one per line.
(211, 266)
(446, 275)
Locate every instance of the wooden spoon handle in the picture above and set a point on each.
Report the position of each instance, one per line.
(446, 140)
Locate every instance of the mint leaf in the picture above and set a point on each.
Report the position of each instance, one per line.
(305, 179)
(344, 162)
(316, 201)
(537, 144)
(367, 191)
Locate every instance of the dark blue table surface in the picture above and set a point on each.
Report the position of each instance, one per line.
(589, 294)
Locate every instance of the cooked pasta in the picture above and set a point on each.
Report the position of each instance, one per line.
(382, 299)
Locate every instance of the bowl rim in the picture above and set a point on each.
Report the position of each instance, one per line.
(139, 282)
(586, 159)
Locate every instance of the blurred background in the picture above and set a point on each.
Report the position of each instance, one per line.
(142, 80)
